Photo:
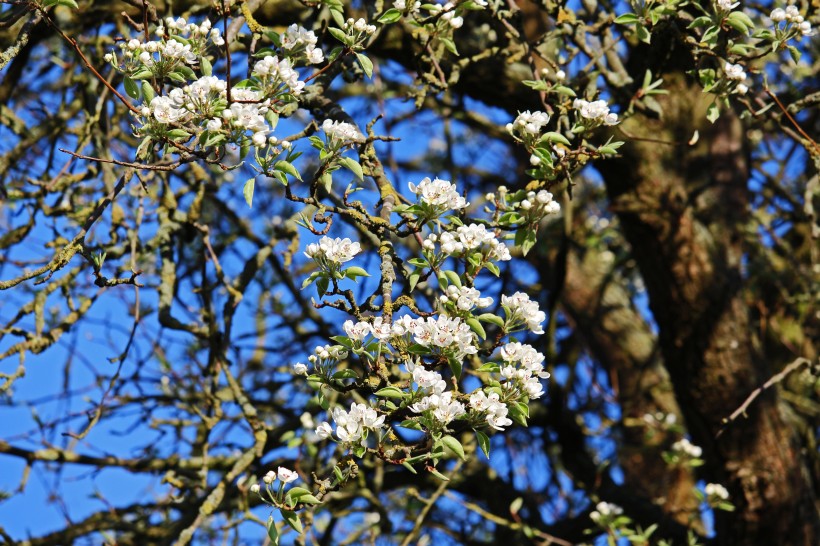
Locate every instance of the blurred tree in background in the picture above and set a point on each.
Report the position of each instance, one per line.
(151, 321)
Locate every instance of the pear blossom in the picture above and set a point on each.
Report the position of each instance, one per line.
(336, 251)
(440, 194)
(285, 475)
(523, 311)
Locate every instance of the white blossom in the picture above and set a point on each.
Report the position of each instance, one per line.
(734, 72)
(523, 311)
(336, 251)
(438, 193)
(285, 475)
(687, 448)
(340, 133)
(530, 123)
(595, 111)
(716, 491)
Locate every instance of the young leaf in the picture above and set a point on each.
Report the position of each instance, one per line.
(455, 446)
(483, 442)
(273, 533)
(292, 519)
(247, 191)
(367, 64)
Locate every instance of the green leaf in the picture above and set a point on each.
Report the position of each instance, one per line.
(322, 285)
(476, 327)
(177, 134)
(390, 392)
(390, 16)
(273, 533)
(355, 271)
(563, 90)
(713, 113)
(626, 19)
(353, 166)
(205, 66)
(492, 268)
(345, 374)
(247, 191)
(131, 88)
(554, 137)
(740, 21)
(538, 85)
(409, 467)
(288, 168)
(455, 446)
(148, 91)
(795, 53)
(413, 278)
(491, 318)
(455, 367)
(292, 519)
(367, 64)
(453, 277)
(450, 45)
(483, 442)
(339, 34)
(142, 74)
(643, 34)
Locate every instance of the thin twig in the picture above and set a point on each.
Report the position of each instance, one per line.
(793, 121)
(93, 70)
(775, 379)
(146, 166)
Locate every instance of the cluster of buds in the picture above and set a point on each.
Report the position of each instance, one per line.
(735, 74)
(794, 21)
(464, 298)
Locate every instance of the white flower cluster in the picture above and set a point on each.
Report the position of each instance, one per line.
(727, 5)
(492, 405)
(298, 41)
(540, 204)
(336, 251)
(735, 73)
(687, 449)
(352, 426)
(529, 124)
(324, 354)
(196, 31)
(164, 54)
(445, 334)
(715, 491)
(340, 133)
(791, 15)
(441, 406)
(605, 511)
(465, 298)
(440, 195)
(470, 238)
(277, 77)
(595, 111)
(283, 474)
(359, 26)
(522, 311)
(528, 376)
